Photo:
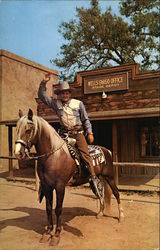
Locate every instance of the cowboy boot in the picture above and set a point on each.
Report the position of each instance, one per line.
(98, 187)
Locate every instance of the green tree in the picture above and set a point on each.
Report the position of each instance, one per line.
(143, 16)
(99, 39)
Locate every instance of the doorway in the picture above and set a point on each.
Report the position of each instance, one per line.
(102, 131)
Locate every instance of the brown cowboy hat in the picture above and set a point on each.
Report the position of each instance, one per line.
(62, 86)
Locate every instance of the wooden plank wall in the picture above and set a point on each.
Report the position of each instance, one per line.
(143, 93)
(129, 149)
(127, 100)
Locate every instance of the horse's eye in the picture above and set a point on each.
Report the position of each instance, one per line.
(28, 131)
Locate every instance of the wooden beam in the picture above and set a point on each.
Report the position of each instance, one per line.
(136, 164)
(37, 181)
(9, 122)
(124, 113)
(8, 157)
(10, 151)
(115, 151)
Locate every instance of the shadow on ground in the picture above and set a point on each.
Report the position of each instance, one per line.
(36, 219)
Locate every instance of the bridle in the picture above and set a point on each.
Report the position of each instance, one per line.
(27, 146)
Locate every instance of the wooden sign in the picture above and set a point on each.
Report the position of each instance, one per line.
(107, 83)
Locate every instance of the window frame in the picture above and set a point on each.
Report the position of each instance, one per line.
(149, 133)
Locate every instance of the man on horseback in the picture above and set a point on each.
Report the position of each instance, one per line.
(73, 120)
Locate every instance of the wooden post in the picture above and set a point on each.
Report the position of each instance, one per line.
(115, 151)
(10, 151)
(36, 177)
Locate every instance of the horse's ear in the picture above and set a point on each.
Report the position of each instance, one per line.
(20, 113)
(30, 114)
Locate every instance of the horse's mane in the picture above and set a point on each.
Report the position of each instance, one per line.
(42, 126)
(43, 131)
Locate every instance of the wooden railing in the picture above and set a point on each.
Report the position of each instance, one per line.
(115, 164)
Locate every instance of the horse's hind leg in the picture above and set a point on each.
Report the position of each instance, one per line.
(60, 191)
(107, 199)
(117, 196)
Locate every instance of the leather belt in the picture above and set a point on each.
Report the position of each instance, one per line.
(75, 128)
(75, 132)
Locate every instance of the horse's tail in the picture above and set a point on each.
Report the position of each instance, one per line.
(108, 173)
(40, 194)
(108, 170)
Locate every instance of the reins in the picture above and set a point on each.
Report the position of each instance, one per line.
(28, 143)
(43, 155)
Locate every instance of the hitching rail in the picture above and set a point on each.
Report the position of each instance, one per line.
(120, 164)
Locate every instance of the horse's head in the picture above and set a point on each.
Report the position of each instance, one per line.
(25, 134)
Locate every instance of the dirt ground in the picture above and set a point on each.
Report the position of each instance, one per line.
(22, 220)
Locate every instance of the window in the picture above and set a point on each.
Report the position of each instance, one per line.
(150, 141)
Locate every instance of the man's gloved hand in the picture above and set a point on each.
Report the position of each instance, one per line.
(47, 77)
(90, 138)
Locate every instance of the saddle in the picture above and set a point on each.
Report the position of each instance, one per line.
(95, 152)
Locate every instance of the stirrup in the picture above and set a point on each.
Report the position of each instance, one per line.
(99, 188)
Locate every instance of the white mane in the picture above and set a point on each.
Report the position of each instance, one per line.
(42, 130)
(41, 125)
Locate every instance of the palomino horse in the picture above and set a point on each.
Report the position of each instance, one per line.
(56, 166)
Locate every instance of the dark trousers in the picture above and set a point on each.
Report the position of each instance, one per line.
(83, 149)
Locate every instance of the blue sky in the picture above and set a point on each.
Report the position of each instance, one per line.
(29, 28)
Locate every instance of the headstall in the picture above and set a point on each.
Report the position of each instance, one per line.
(27, 145)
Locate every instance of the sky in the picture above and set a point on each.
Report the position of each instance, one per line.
(29, 28)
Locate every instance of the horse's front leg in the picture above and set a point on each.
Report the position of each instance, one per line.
(49, 228)
(49, 203)
(60, 191)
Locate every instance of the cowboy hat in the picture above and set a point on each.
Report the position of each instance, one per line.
(62, 86)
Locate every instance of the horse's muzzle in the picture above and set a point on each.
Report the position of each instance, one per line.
(19, 151)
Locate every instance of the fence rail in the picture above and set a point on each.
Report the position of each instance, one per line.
(136, 164)
(115, 164)
(120, 164)
(8, 157)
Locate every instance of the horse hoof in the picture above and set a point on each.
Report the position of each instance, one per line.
(54, 241)
(45, 238)
(100, 215)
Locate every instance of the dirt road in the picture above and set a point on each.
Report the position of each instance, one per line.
(22, 221)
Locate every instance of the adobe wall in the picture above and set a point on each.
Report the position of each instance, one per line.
(19, 81)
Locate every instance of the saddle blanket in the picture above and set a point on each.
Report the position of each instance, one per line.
(96, 154)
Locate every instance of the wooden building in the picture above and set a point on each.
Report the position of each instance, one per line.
(123, 106)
